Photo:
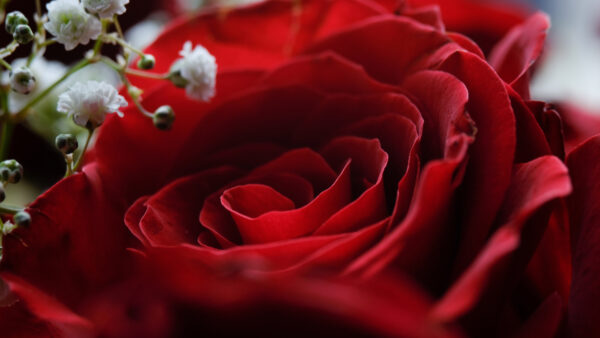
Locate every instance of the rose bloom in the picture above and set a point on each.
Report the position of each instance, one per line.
(360, 172)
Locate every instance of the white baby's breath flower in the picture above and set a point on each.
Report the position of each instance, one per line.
(70, 24)
(89, 102)
(197, 71)
(105, 8)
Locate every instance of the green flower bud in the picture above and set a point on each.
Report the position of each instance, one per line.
(146, 62)
(11, 171)
(14, 19)
(22, 80)
(66, 143)
(22, 219)
(23, 34)
(163, 117)
(175, 76)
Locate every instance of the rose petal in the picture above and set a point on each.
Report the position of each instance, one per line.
(148, 147)
(531, 141)
(466, 43)
(49, 310)
(584, 211)
(245, 120)
(399, 138)
(484, 22)
(524, 214)
(491, 156)
(170, 217)
(403, 45)
(466, 291)
(338, 112)
(515, 54)
(415, 242)
(428, 15)
(281, 225)
(368, 164)
(78, 243)
(327, 72)
(551, 123)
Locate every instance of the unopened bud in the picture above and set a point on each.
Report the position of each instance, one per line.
(22, 80)
(23, 34)
(163, 117)
(176, 77)
(14, 19)
(22, 219)
(11, 171)
(146, 62)
(66, 143)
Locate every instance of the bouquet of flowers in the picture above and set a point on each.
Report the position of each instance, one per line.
(297, 168)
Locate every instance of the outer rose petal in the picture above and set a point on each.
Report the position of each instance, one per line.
(49, 310)
(403, 46)
(78, 244)
(280, 29)
(495, 272)
(483, 22)
(516, 53)
(584, 209)
(388, 307)
(148, 147)
(416, 241)
(579, 125)
(492, 154)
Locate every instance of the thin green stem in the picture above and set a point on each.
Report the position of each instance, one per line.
(69, 163)
(87, 143)
(99, 42)
(38, 7)
(5, 140)
(8, 50)
(40, 36)
(5, 64)
(81, 64)
(3, 4)
(7, 126)
(47, 43)
(121, 71)
(118, 27)
(6, 209)
(123, 44)
(148, 75)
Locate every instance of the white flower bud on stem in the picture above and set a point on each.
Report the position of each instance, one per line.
(22, 80)
(163, 117)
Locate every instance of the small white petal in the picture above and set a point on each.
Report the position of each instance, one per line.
(105, 8)
(199, 68)
(89, 102)
(70, 24)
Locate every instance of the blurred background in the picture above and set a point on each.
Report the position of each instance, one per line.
(569, 72)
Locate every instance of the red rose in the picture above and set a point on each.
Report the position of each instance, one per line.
(342, 139)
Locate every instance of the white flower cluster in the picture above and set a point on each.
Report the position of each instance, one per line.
(69, 22)
(89, 102)
(198, 70)
(105, 8)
